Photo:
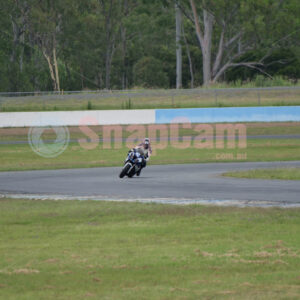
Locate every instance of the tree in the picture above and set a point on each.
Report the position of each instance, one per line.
(19, 20)
(13, 24)
(88, 44)
(46, 25)
(227, 29)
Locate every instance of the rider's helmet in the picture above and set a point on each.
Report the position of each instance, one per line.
(146, 143)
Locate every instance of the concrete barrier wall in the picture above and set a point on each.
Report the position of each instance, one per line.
(159, 116)
(75, 118)
(229, 114)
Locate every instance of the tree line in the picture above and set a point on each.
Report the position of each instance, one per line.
(122, 44)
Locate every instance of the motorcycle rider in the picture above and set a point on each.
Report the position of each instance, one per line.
(145, 151)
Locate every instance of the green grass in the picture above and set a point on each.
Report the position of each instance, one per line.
(21, 156)
(278, 173)
(102, 250)
(253, 128)
(153, 99)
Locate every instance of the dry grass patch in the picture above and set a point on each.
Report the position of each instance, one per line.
(25, 271)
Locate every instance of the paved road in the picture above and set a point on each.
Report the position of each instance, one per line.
(170, 183)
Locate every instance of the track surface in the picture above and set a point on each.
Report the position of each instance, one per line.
(169, 183)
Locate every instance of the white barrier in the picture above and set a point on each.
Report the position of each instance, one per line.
(76, 118)
(150, 116)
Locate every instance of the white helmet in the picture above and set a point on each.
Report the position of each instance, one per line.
(146, 143)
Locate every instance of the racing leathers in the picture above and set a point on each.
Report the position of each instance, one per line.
(144, 152)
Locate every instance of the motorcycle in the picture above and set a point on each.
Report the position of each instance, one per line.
(132, 164)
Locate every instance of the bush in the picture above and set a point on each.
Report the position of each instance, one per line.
(89, 105)
(148, 72)
(262, 81)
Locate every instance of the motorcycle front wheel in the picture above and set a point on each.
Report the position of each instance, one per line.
(125, 170)
(131, 173)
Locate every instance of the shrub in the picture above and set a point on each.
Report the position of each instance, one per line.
(148, 72)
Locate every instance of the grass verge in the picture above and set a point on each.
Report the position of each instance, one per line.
(279, 173)
(21, 157)
(103, 250)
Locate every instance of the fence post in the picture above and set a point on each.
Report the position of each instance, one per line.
(216, 98)
(258, 96)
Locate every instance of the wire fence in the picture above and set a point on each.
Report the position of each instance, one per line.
(132, 93)
(139, 99)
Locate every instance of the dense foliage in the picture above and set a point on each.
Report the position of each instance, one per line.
(121, 44)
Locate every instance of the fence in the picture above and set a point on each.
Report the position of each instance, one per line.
(147, 99)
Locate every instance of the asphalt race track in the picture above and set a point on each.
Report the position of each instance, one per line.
(179, 184)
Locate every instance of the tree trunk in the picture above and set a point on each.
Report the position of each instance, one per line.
(219, 56)
(48, 59)
(15, 30)
(56, 70)
(207, 42)
(189, 58)
(22, 40)
(204, 39)
(124, 46)
(82, 78)
(53, 68)
(107, 68)
(124, 53)
(19, 24)
(178, 47)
